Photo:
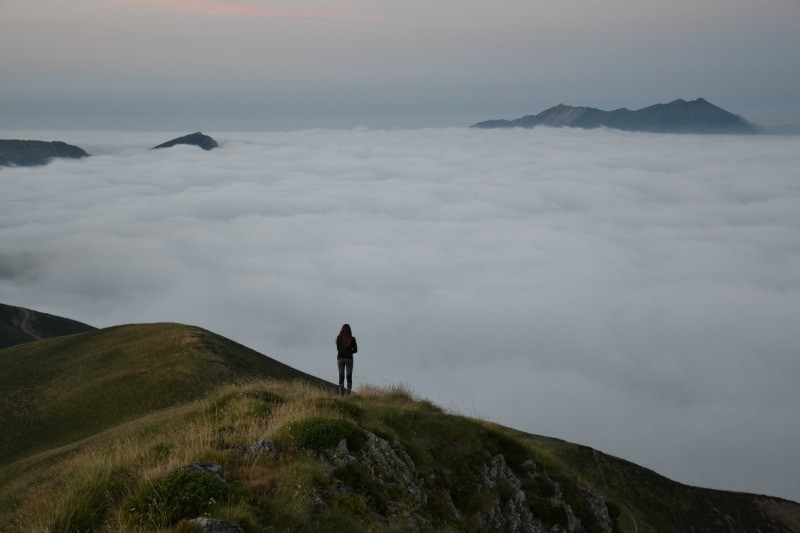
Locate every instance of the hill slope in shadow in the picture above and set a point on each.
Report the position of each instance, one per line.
(19, 325)
(56, 391)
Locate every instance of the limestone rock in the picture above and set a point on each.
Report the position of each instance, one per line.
(392, 469)
(215, 525)
(206, 466)
(509, 511)
(263, 447)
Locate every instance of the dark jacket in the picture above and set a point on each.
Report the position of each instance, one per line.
(346, 352)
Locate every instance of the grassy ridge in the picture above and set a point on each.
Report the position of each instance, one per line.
(651, 502)
(100, 483)
(92, 424)
(60, 390)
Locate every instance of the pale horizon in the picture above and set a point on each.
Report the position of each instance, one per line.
(256, 65)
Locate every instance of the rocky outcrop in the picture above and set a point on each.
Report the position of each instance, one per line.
(206, 466)
(195, 139)
(512, 511)
(678, 116)
(509, 511)
(214, 525)
(263, 447)
(15, 152)
(391, 474)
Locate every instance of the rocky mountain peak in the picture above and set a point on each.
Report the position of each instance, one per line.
(195, 139)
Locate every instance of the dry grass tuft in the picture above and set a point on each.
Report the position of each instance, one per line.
(87, 489)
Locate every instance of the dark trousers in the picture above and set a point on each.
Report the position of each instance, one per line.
(345, 367)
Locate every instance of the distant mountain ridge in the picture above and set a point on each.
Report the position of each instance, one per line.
(32, 153)
(19, 325)
(678, 116)
(193, 139)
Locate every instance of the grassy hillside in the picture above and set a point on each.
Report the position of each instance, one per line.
(56, 391)
(437, 472)
(651, 502)
(19, 325)
(144, 427)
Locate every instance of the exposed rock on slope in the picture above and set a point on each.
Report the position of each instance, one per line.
(196, 139)
(679, 116)
(31, 153)
(404, 496)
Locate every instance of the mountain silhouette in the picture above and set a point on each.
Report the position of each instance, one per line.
(33, 153)
(679, 116)
(194, 139)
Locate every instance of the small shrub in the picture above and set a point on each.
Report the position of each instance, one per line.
(363, 482)
(256, 407)
(464, 490)
(319, 433)
(548, 513)
(264, 396)
(439, 507)
(614, 512)
(540, 487)
(514, 451)
(161, 450)
(345, 408)
(506, 491)
(539, 492)
(398, 392)
(182, 494)
(185, 527)
(324, 433)
(342, 519)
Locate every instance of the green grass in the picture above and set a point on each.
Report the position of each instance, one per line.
(57, 391)
(132, 476)
(103, 424)
(319, 433)
(180, 494)
(647, 501)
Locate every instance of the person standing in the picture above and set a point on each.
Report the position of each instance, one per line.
(346, 346)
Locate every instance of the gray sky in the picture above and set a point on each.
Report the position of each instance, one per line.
(232, 65)
(636, 293)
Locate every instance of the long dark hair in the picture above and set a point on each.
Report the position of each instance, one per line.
(345, 336)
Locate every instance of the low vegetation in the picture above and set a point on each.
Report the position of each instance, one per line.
(140, 477)
(137, 477)
(148, 427)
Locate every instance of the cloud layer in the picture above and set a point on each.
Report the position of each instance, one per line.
(635, 293)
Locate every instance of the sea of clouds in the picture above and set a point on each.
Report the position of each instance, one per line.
(636, 293)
